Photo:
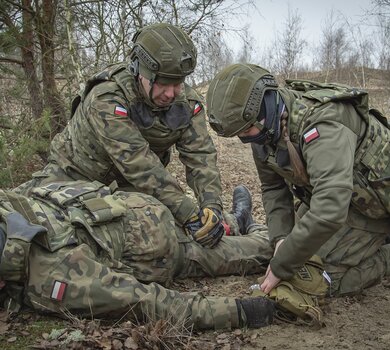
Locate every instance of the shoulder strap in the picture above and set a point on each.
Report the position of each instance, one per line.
(315, 94)
(21, 205)
(105, 75)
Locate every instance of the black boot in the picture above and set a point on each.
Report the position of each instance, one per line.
(242, 208)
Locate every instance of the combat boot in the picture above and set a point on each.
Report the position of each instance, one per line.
(242, 208)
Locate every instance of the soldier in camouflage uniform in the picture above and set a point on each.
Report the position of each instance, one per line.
(125, 123)
(317, 146)
(85, 248)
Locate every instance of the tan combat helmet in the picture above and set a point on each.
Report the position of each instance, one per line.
(164, 53)
(234, 98)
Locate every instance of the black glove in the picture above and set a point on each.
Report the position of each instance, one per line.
(255, 312)
(206, 228)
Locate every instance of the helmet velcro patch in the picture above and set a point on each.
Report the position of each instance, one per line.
(240, 91)
(151, 43)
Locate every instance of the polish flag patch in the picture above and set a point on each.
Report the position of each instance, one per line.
(197, 108)
(311, 135)
(119, 110)
(58, 291)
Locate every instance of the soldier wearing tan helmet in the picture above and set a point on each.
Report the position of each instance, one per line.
(319, 146)
(125, 123)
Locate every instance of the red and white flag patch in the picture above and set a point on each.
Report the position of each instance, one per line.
(311, 135)
(119, 110)
(58, 290)
(197, 108)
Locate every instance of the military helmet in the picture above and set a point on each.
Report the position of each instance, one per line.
(163, 52)
(234, 98)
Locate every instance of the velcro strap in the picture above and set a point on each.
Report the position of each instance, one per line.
(21, 205)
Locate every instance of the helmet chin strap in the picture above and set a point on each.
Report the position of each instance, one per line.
(134, 69)
(272, 108)
(151, 82)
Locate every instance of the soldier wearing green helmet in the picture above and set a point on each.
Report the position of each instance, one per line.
(127, 119)
(322, 156)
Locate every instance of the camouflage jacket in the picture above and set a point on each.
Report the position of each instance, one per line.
(115, 135)
(329, 144)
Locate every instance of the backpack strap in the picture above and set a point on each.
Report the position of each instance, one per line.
(105, 75)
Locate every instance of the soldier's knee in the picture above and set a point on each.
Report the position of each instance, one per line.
(357, 278)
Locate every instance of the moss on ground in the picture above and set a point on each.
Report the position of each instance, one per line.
(29, 332)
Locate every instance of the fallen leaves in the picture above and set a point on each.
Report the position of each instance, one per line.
(3, 322)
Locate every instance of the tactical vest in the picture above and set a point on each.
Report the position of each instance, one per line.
(55, 216)
(50, 218)
(371, 174)
(161, 127)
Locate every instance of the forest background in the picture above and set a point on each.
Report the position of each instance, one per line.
(48, 48)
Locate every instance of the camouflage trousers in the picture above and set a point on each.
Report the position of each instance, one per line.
(356, 256)
(74, 281)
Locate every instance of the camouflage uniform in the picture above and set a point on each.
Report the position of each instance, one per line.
(115, 135)
(334, 219)
(86, 250)
(327, 134)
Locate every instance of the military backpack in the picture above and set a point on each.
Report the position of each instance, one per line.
(371, 188)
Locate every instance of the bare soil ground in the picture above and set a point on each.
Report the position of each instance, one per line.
(358, 323)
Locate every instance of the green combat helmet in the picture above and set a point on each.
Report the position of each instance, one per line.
(164, 53)
(234, 98)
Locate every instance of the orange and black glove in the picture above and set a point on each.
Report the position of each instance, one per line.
(206, 228)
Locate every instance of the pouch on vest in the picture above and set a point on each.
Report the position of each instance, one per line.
(98, 217)
(82, 203)
(372, 170)
(93, 198)
(65, 194)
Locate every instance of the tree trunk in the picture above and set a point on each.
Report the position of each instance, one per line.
(46, 27)
(28, 57)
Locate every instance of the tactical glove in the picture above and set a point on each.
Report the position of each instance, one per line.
(206, 228)
(300, 297)
(255, 312)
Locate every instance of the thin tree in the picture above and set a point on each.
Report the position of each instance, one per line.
(288, 45)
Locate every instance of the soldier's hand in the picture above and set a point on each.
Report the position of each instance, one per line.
(206, 228)
(269, 282)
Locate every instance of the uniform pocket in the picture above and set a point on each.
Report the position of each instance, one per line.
(67, 193)
(382, 188)
(366, 199)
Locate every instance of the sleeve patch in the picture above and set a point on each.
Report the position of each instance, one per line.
(311, 135)
(58, 290)
(119, 110)
(197, 108)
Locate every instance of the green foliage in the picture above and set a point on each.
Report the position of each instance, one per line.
(20, 150)
(7, 42)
